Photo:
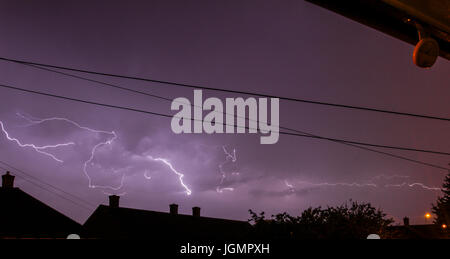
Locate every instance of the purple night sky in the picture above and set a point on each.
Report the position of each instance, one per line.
(287, 48)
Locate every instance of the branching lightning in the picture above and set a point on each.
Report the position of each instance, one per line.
(36, 121)
(404, 184)
(89, 162)
(91, 158)
(180, 175)
(411, 185)
(229, 158)
(354, 184)
(370, 183)
(33, 121)
(39, 149)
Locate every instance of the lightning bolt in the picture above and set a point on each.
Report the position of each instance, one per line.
(89, 162)
(411, 185)
(404, 184)
(229, 157)
(39, 149)
(368, 184)
(91, 158)
(290, 187)
(354, 184)
(180, 175)
(35, 121)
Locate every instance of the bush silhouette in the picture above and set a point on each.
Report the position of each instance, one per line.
(354, 221)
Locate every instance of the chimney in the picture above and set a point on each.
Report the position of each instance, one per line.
(406, 221)
(8, 180)
(114, 201)
(173, 209)
(196, 211)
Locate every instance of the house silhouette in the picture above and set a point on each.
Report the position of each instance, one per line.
(23, 216)
(116, 222)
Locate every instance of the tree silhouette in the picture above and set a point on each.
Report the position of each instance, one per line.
(342, 222)
(442, 207)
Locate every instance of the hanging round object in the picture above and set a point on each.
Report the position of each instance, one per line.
(426, 52)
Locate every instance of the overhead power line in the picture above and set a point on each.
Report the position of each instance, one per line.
(385, 153)
(345, 106)
(169, 116)
(39, 183)
(304, 134)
